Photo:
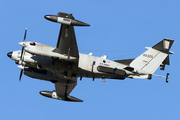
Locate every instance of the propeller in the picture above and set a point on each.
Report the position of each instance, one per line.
(22, 55)
(22, 51)
(20, 75)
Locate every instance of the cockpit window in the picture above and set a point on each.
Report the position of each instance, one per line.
(32, 43)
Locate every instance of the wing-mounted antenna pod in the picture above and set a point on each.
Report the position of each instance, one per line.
(66, 19)
(54, 95)
(65, 15)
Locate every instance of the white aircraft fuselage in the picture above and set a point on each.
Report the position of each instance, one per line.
(87, 64)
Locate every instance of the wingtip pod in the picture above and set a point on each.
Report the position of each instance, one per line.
(65, 18)
(78, 23)
(73, 99)
(54, 96)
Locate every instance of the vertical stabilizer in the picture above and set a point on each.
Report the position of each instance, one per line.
(154, 57)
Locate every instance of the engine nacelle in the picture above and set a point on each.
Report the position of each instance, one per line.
(46, 51)
(40, 74)
(34, 59)
(43, 75)
(30, 58)
(55, 96)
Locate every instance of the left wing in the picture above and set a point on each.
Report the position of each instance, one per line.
(66, 44)
(66, 48)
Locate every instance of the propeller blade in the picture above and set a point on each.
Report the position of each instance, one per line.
(20, 75)
(25, 34)
(22, 53)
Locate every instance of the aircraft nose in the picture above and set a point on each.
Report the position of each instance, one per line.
(9, 54)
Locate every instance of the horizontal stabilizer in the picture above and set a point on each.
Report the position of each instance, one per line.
(125, 61)
(164, 45)
(165, 62)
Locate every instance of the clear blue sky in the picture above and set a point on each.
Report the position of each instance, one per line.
(120, 29)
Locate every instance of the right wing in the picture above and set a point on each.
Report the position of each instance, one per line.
(64, 89)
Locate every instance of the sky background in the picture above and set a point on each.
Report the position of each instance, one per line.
(120, 29)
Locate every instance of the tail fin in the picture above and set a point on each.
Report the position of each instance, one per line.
(154, 57)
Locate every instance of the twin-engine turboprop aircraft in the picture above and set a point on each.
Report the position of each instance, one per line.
(63, 64)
